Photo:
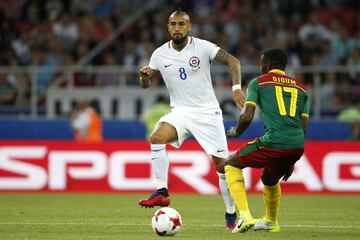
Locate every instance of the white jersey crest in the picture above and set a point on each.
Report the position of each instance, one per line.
(187, 73)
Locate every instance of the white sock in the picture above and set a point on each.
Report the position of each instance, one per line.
(228, 200)
(160, 164)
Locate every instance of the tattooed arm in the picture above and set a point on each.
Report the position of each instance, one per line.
(147, 75)
(235, 71)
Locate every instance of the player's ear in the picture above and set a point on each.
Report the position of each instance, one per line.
(268, 66)
(190, 25)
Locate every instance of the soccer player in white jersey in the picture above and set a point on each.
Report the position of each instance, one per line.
(184, 63)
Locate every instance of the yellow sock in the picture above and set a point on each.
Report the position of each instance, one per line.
(236, 185)
(272, 196)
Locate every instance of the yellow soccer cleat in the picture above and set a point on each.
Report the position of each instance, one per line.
(245, 223)
(266, 225)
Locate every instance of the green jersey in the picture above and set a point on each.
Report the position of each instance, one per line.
(283, 101)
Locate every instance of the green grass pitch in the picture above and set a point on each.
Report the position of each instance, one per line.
(117, 216)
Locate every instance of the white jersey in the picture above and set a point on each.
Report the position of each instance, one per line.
(187, 73)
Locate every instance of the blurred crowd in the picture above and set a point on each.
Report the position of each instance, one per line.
(56, 33)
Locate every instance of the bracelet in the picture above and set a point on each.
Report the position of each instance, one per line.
(236, 87)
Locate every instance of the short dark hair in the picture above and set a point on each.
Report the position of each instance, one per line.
(179, 10)
(276, 57)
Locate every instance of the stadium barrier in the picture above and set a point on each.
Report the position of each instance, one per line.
(124, 166)
(125, 130)
(52, 90)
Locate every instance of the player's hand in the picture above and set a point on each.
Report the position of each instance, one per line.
(145, 79)
(239, 98)
(231, 133)
(288, 173)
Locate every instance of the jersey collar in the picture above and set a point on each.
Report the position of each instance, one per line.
(278, 71)
(189, 42)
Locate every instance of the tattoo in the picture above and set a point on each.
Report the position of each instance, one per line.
(222, 56)
(234, 64)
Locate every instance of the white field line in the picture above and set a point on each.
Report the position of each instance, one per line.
(143, 224)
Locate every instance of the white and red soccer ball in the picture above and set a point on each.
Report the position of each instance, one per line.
(166, 222)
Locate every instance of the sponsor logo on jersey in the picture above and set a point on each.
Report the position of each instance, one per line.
(194, 61)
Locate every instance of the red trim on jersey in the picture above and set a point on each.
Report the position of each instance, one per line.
(283, 84)
(190, 41)
(267, 79)
(169, 44)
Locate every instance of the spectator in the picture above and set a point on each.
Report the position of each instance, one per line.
(7, 91)
(38, 57)
(353, 63)
(21, 47)
(39, 38)
(158, 28)
(327, 90)
(23, 89)
(343, 43)
(149, 48)
(103, 8)
(108, 78)
(155, 112)
(54, 8)
(314, 28)
(78, 26)
(129, 59)
(86, 123)
(352, 116)
(7, 31)
(102, 28)
(81, 7)
(328, 57)
(34, 12)
(66, 31)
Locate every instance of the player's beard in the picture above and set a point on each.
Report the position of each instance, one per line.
(179, 41)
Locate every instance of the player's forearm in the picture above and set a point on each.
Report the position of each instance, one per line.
(245, 119)
(235, 71)
(234, 64)
(242, 126)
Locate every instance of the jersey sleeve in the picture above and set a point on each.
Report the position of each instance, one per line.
(211, 48)
(153, 64)
(305, 113)
(252, 96)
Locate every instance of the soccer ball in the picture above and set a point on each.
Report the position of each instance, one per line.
(166, 222)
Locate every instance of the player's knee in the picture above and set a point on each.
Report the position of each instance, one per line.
(156, 139)
(219, 164)
(228, 162)
(232, 160)
(268, 179)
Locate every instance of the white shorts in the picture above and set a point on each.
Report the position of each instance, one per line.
(207, 128)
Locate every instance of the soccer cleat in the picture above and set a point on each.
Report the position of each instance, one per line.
(230, 219)
(156, 199)
(267, 225)
(244, 224)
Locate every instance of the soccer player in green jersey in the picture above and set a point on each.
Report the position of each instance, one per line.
(285, 109)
